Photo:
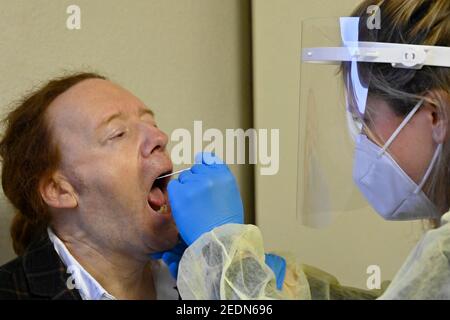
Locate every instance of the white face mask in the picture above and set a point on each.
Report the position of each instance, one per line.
(389, 190)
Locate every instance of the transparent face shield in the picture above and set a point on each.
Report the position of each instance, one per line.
(338, 55)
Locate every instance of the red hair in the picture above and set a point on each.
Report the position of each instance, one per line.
(28, 154)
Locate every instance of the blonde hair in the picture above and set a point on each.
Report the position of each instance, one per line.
(421, 22)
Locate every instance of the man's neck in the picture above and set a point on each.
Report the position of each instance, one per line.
(122, 276)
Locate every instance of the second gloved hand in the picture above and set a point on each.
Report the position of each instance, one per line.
(205, 197)
(172, 257)
(278, 266)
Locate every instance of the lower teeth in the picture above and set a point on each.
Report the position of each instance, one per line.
(163, 209)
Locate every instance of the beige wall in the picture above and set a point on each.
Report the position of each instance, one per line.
(355, 240)
(186, 59)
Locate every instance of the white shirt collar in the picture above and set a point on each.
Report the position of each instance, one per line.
(90, 289)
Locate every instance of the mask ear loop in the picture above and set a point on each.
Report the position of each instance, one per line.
(400, 127)
(430, 168)
(395, 134)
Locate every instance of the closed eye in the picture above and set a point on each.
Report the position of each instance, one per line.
(118, 135)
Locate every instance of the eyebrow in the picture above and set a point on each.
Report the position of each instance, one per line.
(142, 112)
(109, 119)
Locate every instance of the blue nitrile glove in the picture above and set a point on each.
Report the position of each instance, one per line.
(204, 197)
(278, 266)
(171, 257)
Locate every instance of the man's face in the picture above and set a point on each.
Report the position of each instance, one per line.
(112, 152)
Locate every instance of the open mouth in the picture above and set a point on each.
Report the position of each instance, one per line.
(157, 198)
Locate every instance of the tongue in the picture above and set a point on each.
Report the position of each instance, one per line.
(156, 198)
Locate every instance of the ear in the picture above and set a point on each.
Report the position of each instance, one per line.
(57, 192)
(440, 128)
(437, 103)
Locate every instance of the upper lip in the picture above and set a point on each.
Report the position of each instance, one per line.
(162, 183)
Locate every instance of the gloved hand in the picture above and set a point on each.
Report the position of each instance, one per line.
(204, 197)
(278, 266)
(171, 257)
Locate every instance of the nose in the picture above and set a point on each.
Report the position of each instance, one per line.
(153, 140)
